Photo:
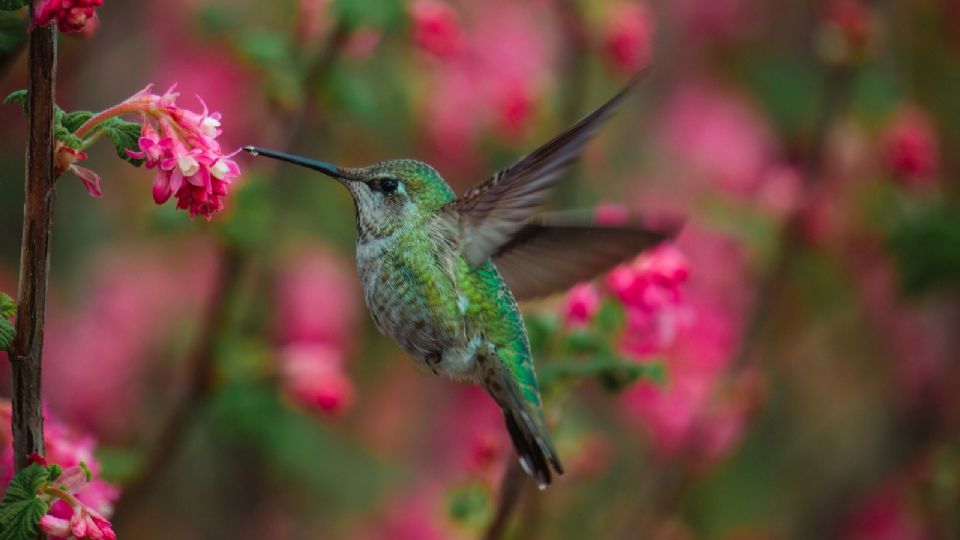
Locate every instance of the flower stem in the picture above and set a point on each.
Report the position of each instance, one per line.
(127, 107)
(25, 354)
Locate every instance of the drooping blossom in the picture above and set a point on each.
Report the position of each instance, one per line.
(314, 375)
(87, 498)
(910, 150)
(181, 145)
(436, 29)
(71, 16)
(628, 37)
(317, 311)
(65, 159)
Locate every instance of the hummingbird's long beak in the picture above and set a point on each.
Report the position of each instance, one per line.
(328, 169)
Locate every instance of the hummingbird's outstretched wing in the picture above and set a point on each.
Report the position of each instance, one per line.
(551, 253)
(489, 214)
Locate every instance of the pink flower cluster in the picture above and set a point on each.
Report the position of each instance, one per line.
(683, 321)
(80, 510)
(182, 146)
(317, 311)
(83, 521)
(70, 15)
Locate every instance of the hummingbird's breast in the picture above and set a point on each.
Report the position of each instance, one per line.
(411, 288)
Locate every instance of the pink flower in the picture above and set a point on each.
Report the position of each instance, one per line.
(628, 36)
(910, 149)
(435, 28)
(582, 303)
(313, 374)
(70, 15)
(182, 146)
(83, 521)
(64, 160)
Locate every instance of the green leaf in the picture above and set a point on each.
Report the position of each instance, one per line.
(7, 334)
(17, 97)
(125, 136)
(64, 135)
(8, 306)
(10, 5)
(73, 120)
(22, 509)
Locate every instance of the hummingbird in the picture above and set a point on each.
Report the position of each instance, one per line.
(442, 275)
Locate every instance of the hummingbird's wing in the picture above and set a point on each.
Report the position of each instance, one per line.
(490, 213)
(553, 253)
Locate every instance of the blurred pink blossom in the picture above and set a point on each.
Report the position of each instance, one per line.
(581, 304)
(628, 37)
(910, 149)
(98, 355)
(490, 80)
(317, 300)
(721, 135)
(71, 16)
(317, 311)
(313, 374)
(436, 29)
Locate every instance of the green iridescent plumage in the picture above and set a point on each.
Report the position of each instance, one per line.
(442, 275)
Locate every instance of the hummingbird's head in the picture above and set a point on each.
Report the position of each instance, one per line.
(388, 195)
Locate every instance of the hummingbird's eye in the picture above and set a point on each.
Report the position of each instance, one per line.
(385, 185)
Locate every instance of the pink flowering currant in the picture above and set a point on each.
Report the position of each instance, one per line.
(83, 520)
(71, 16)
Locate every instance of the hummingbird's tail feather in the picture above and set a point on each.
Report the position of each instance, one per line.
(527, 429)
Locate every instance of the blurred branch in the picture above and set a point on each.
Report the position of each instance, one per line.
(773, 282)
(27, 349)
(511, 489)
(200, 381)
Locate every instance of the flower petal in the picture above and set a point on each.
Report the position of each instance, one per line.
(90, 179)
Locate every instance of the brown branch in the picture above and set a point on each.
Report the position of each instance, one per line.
(25, 354)
(511, 488)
